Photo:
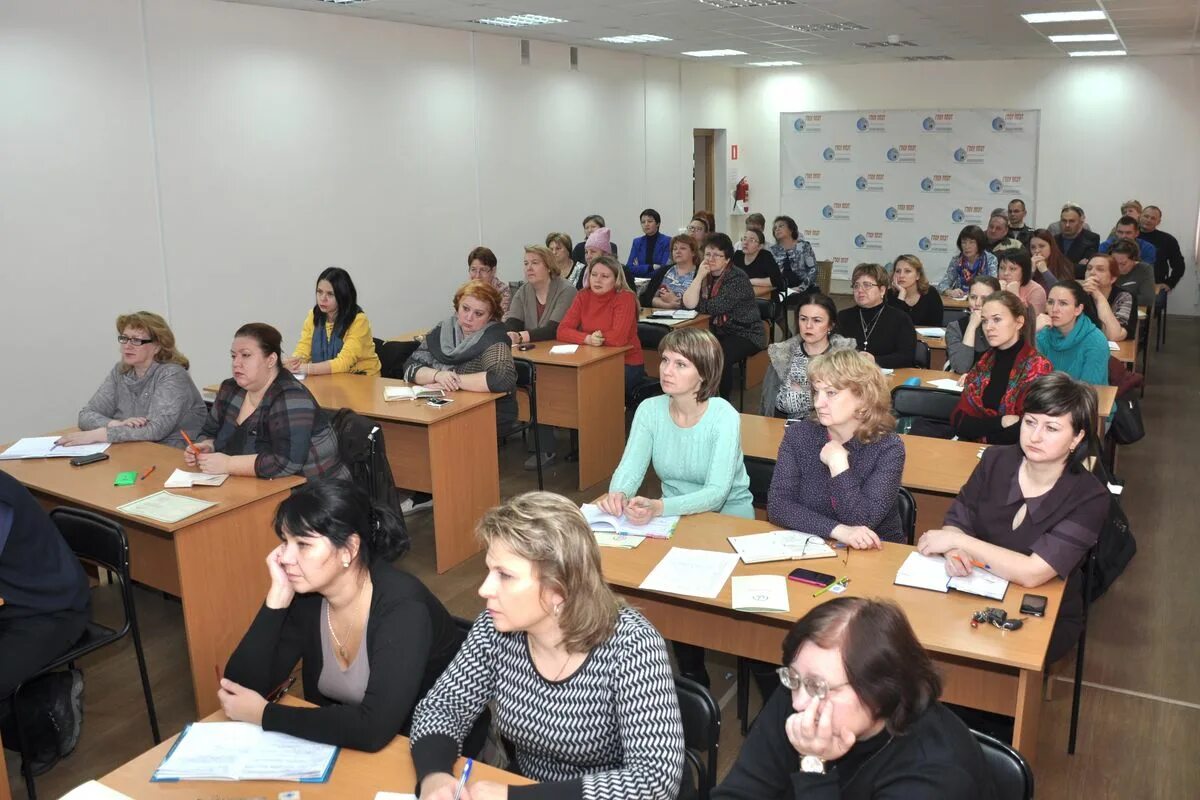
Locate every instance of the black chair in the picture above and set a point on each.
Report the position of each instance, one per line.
(1143, 348)
(649, 334)
(1160, 330)
(1089, 571)
(761, 471)
(770, 310)
(1011, 776)
(100, 541)
(527, 383)
(392, 356)
(924, 401)
(922, 357)
(950, 315)
(701, 732)
(640, 393)
(906, 504)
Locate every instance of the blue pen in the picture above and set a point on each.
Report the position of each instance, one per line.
(463, 780)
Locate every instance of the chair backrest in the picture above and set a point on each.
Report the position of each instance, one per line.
(392, 356)
(906, 505)
(922, 358)
(526, 373)
(760, 471)
(950, 315)
(649, 334)
(922, 401)
(824, 275)
(94, 538)
(701, 728)
(1011, 776)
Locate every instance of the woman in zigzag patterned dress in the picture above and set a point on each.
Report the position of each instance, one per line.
(578, 683)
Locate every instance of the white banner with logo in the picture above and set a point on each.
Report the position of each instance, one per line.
(872, 185)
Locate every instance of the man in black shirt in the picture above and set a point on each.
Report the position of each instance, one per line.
(1169, 263)
(1016, 222)
(1077, 243)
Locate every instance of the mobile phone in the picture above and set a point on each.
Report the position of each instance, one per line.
(524, 347)
(80, 461)
(440, 401)
(811, 577)
(1033, 605)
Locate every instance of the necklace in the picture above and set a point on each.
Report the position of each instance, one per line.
(863, 322)
(868, 761)
(341, 648)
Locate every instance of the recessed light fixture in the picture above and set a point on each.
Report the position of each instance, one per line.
(519, 20)
(828, 27)
(747, 3)
(634, 38)
(1064, 16)
(1086, 37)
(774, 64)
(344, 2)
(1084, 53)
(713, 53)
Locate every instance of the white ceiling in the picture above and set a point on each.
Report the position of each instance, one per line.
(959, 29)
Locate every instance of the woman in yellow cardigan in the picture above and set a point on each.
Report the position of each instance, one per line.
(343, 342)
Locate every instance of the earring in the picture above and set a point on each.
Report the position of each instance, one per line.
(557, 609)
(346, 562)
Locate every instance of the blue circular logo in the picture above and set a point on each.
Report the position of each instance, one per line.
(890, 213)
(827, 154)
(827, 212)
(960, 155)
(927, 123)
(926, 184)
(923, 244)
(860, 241)
(860, 183)
(798, 182)
(862, 123)
(995, 185)
(893, 154)
(997, 123)
(798, 124)
(957, 215)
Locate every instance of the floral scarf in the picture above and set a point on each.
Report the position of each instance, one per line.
(1029, 365)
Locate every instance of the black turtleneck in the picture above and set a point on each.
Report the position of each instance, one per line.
(892, 340)
(976, 429)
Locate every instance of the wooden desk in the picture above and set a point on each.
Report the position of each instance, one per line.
(650, 354)
(981, 667)
(213, 561)
(428, 449)
(585, 391)
(355, 775)
(954, 302)
(1126, 352)
(763, 292)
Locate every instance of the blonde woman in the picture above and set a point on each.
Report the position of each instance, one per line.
(539, 305)
(578, 683)
(910, 292)
(559, 245)
(148, 396)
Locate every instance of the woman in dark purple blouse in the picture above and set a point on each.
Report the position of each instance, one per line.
(1032, 512)
(838, 473)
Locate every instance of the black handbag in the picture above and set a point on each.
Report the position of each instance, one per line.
(1116, 546)
(1127, 426)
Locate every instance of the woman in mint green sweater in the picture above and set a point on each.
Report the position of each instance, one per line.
(1069, 338)
(691, 436)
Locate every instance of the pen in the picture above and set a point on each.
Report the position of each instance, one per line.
(980, 564)
(842, 581)
(463, 780)
(188, 439)
(146, 474)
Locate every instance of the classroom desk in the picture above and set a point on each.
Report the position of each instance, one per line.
(649, 354)
(1126, 352)
(213, 561)
(954, 302)
(355, 774)
(981, 667)
(584, 391)
(426, 448)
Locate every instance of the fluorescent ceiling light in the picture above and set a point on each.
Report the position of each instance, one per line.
(774, 64)
(635, 38)
(519, 20)
(1079, 53)
(1086, 37)
(713, 53)
(1064, 16)
(344, 2)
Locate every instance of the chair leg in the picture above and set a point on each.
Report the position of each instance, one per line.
(145, 675)
(22, 748)
(537, 447)
(1078, 688)
(743, 693)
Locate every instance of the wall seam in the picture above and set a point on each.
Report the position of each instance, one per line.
(158, 210)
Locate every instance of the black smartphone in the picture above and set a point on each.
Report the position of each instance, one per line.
(440, 401)
(524, 347)
(80, 461)
(811, 577)
(1034, 605)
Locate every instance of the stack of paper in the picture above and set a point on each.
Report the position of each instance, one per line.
(186, 480)
(411, 392)
(241, 751)
(760, 593)
(929, 572)
(949, 384)
(45, 447)
(563, 349)
(780, 546)
(166, 507)
(657, 528)
(618, 540)
(932, 333)
(1114, 346)
(696, 573)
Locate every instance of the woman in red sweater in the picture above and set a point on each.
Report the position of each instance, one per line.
(606, 314)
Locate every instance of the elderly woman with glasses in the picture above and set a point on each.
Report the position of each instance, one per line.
(883, 331)
(857, 717)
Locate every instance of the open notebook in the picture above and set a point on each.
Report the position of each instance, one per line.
(240, 751)
(758, 548)
(657, 528)
(929, 572)
(410, 392)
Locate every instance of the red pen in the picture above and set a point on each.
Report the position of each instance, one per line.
(188, 439)
(146, 474)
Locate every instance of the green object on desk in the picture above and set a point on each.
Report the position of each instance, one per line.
(126, 478)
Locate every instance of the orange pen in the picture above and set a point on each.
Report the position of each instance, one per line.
(146, 474)
(188, 439)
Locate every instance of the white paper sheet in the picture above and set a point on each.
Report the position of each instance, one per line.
(563, 349)
(618, 540)
(181, 479)
(924, 572)
(166, 507)
(760, 593)
(696, 573)
(1114, 346)
(932, 333)
(394, 796)
(949, 384)
(94, 790)
(44, 447)
(982, 583)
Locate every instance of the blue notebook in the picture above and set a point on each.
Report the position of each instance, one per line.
(241, 751)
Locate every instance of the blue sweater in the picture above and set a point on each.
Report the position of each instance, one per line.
(1083, 353)
(637, 255)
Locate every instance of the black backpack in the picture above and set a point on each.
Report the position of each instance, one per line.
(1116, 546)
(361, 449)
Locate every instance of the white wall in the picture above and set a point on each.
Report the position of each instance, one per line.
(207, 159)
(1111, 129)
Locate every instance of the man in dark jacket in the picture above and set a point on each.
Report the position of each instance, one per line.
(1077, 244)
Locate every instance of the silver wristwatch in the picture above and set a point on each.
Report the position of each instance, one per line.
(812, 764)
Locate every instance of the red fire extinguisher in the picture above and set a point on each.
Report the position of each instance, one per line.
(741, 195)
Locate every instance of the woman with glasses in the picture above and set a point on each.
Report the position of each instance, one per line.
(481, 266)
(886, 333)
(148, 395)
(972, 259)
(795, 257)
(857, 717)
(699, 229)
(910, 292)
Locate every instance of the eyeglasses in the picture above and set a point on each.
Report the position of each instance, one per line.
(864, 286)
(123, 339)
(813, 686)
(695, 229)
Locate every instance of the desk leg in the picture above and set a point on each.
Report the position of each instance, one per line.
(464, 472)
(1029, 710)
(601, 393)
(223, 580)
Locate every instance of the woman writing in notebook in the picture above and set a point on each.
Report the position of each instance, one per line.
(336, 336)
(372, 638)
(1031, 512)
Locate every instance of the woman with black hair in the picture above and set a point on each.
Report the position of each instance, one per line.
(336, 337)
(795, 257)
(1032, 511)
(972, 259)
(651, 250)
(373, 638)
